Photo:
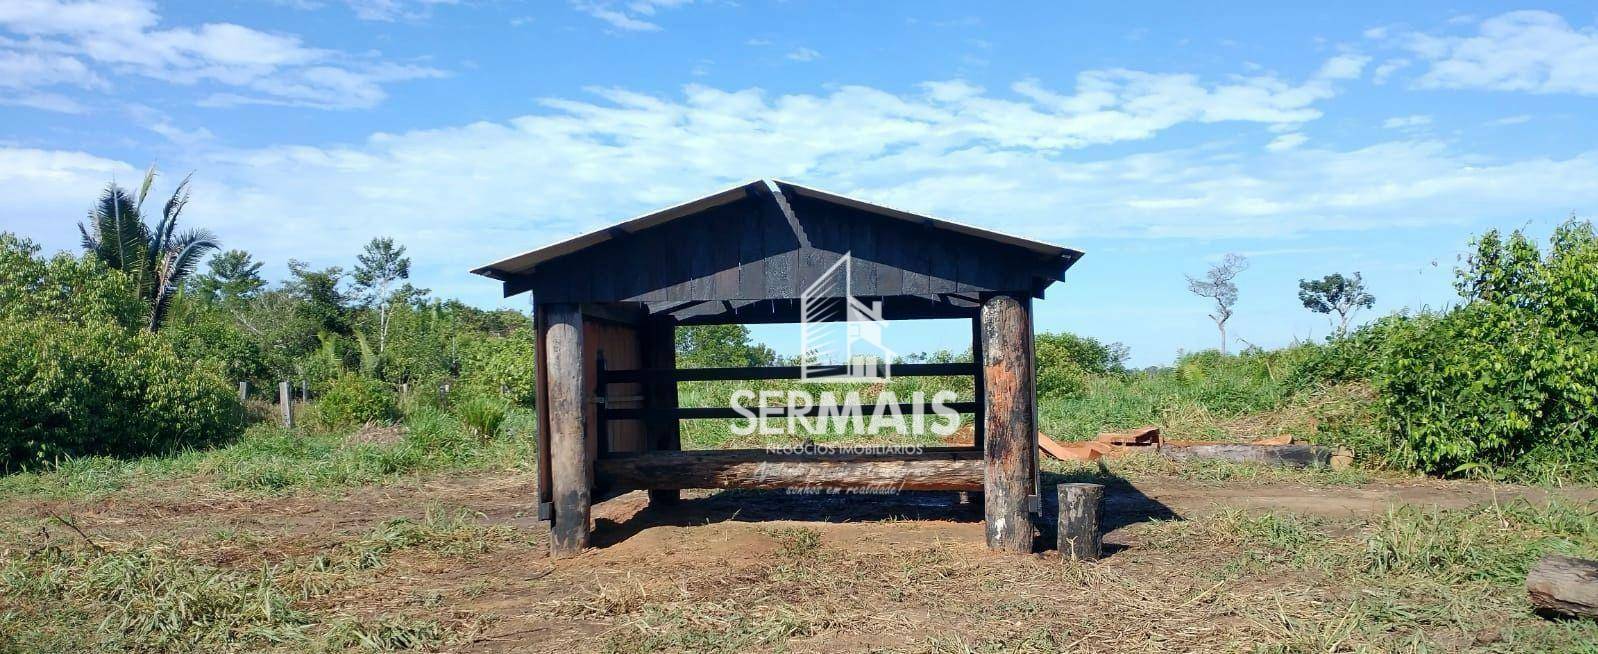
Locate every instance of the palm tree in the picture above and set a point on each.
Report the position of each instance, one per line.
(158, 260)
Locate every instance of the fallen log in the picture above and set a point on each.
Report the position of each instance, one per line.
(960, 470)
(1564, 584)
(1278, 455)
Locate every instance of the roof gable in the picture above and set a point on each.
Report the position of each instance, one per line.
(765, 239)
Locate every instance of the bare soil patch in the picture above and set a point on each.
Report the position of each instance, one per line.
(765, 571)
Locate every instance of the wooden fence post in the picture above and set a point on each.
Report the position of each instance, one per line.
(244, 391)
(1079, 537)
(305, 391)
(568, 447)
(1008, 445)
(664, 434)
(285, 399)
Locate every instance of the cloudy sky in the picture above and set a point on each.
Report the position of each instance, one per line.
(1158, 138)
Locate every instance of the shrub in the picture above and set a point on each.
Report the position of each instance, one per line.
(1088, 354)
(76, 390)
(352, 400)
(1510, 378)
(482, 414)
(501, 366)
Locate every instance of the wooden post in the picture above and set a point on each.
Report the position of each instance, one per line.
(285, 400)
(570, 467)
(1009, 454)
(1564, 584)
(305, 391)
(659, 341)
(244, 391)
(1079, 537)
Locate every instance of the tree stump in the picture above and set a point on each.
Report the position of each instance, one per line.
(1564, 584)
(1079, 536)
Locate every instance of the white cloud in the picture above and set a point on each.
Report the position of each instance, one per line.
(628, 16)
(393, 10)
(1401, 122)
(1386, 69)
(803, 54)
(1286, 142)
(1532, 51)
(65, 43)
(463, 195)
(1509, 120)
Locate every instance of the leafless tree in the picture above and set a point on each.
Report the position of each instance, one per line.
(1218, 286)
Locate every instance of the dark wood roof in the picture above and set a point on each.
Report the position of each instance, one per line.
(768, 240)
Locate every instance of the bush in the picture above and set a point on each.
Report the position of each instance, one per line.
(353, 400)
(482, 414)
(79, 376)
(77, 390)
(501, 366)
(1510, 378)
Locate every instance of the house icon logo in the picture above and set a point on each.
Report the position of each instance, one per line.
(840, 337)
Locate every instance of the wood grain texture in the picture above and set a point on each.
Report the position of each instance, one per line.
(1078, 535)
(750, 250)
(925, 471)
(1564, 584)
(664, 433)
(1279, 455)
(569, 453)
(1008, 411)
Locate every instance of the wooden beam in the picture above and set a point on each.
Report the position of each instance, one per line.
(1010, 453)
(571, 469)
(782, 372)
(926, 470)
(772, 412)
(663, 433)
(1299, 456)
(1564, 584)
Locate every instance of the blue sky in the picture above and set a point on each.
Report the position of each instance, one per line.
(1350, 137)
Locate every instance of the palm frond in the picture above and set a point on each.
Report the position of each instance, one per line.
(144, 188)
(189, 249)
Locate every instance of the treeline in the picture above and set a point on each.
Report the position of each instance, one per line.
(132, 348)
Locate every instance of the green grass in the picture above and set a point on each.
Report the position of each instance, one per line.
(1412, 579)
(150, 596)
(272, 460)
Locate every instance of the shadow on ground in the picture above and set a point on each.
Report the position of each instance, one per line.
(1124, 505)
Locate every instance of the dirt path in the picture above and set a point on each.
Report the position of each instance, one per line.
(822, 572)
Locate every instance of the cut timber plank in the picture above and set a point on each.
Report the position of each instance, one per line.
(929, 470)
(1054, 448)
(1564, 584)
(1280, 455)
(1141, 436)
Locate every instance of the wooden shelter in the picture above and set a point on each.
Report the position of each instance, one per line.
(606, 306)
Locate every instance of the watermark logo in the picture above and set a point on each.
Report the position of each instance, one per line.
(841, 341)
(841, 336)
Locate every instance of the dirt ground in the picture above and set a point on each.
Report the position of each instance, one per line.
(745, 571)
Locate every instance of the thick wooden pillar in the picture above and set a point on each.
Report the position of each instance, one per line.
(1008, 451)
(571, 468)
(659, 341)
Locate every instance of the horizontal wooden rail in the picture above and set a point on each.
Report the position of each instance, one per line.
(708, 413)
(942, 469)
(779, 372)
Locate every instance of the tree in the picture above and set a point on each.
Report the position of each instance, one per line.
(1335, 293)
(158, 260)
(1218, 286)
(320, 298)
(233, 277)
(379, 266)
(710, 346)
